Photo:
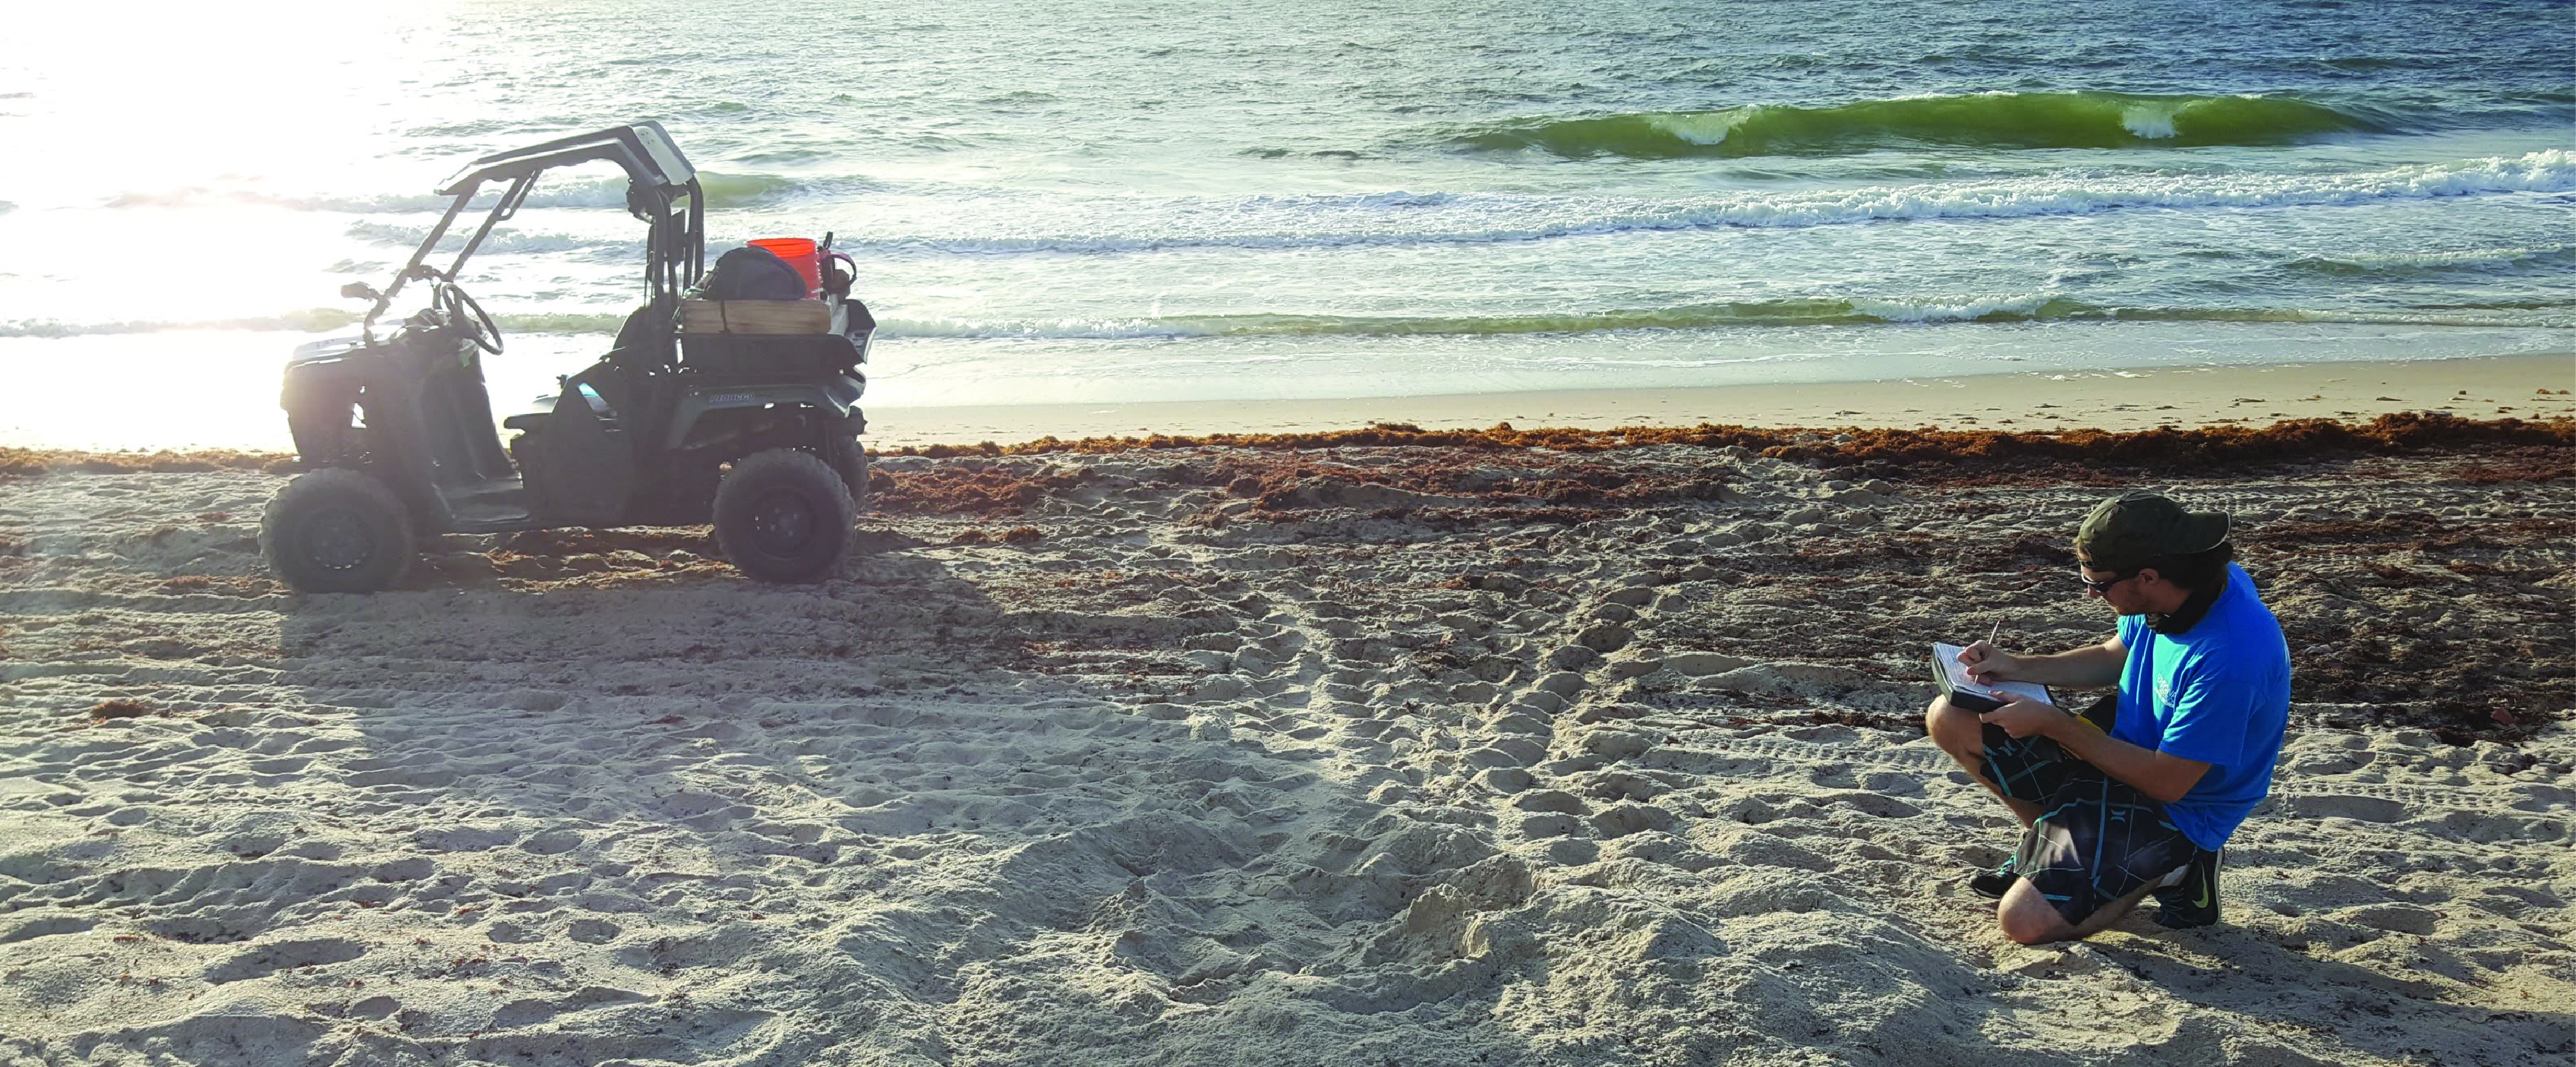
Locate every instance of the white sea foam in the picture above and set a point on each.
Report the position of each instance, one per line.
(310, 320)
(2460, 257)
(500, 241)
(573, 194)
(1705, 128)
(1145, 225)
(2154, 122)
(559, 191)
(948, 220)
(1792, 312)
(1781, 313)
(1962, 311)
(2445, 259)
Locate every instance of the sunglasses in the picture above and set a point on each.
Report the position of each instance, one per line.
(2104, 586)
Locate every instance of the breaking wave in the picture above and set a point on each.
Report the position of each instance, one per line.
(1989, 120)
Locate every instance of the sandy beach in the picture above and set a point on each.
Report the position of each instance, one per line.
(1359, 750)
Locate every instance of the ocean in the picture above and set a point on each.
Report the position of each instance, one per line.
(1136, 201)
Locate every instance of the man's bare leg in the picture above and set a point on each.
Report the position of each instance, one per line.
(1958, 732)
(2027, 917)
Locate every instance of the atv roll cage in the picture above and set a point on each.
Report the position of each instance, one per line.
(662, 190)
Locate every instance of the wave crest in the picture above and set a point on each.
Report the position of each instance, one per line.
(1990, 120)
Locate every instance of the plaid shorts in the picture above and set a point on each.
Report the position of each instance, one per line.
(2097, 839)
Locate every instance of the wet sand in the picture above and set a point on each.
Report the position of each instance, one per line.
(2483, 388)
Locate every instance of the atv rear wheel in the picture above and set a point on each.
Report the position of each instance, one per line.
(336, 530)
(784, 516)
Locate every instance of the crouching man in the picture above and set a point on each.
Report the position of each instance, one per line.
(2138, 794)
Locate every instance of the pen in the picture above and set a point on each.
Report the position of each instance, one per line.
(1990, 634)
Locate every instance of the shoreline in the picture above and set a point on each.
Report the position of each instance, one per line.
(2528, 386)
(2480, 387)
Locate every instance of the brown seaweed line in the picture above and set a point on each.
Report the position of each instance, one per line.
(2398, 432)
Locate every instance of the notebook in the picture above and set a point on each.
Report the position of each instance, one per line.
(1967, 692)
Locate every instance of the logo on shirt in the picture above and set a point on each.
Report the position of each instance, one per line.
(2164, 692)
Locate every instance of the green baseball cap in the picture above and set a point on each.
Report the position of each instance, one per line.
(2126, 531)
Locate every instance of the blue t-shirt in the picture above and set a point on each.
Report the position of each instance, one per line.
(2219, 693)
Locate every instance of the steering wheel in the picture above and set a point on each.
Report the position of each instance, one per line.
(479, 328)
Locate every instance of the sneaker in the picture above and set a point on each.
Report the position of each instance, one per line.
(2194, 901)
(1994, 883)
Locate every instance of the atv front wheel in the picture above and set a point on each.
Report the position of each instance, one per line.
(336, 530)
(784, 516)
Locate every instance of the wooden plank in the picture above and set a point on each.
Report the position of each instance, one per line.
(755, 316)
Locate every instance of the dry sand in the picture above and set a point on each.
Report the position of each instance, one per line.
(1349, 756)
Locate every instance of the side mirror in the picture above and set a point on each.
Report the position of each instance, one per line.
(360, 291)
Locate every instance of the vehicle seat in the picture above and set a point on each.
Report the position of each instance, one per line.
(636, 341)
(632, 340)
(546, 410)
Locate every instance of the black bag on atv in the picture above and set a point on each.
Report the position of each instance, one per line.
(749, 273)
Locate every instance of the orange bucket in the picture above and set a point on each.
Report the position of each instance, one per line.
(800, 253)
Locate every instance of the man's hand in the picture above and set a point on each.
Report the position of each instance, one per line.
(1988, 664)
(2023, 717)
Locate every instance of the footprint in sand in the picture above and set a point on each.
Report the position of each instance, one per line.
(1550, 824)
(2394, 918)
(593, 931)
(408, 869)
(269, 959)
(1620, 820)
(551, 842)
(46, 926)
(2366, 809)
(511, 933)
(1550, 800)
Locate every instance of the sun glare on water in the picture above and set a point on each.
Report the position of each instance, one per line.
(202, 125)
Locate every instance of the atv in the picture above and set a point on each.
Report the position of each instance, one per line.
(740, 414)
